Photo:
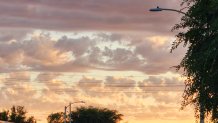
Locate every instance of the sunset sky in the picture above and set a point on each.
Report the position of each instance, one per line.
(108, 53)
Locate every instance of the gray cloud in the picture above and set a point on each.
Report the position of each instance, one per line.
(120, 84)
(40, 54)
(113, 52)
(163, 89)
(123, 15)
(77, 46)
(159, 58)
(10, 34)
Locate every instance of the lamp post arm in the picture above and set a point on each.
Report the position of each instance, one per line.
(70, 120)
(166, 9)
(174, 10)
(77, 102)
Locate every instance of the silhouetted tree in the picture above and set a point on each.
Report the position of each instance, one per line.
(16, 115)
(4, 115)
(88, 115)
(95, 115)
(31, 120)
(201, 60)
(56, 118)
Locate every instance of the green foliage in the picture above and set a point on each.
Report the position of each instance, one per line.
(16, 115)
(200, 63)
(87, 115)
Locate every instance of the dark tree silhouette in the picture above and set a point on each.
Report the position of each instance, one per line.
(201, 60)
(16, 115)
(4, 115)
(95, 115)
(56, 117)
(88, 115)
(31, 120)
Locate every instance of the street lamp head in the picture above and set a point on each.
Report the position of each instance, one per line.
(156, 9)
(77, 102)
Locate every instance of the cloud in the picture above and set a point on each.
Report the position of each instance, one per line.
(122, 37)
(120, 84)
(113, 92)
(11, 34)
(123, 15)
(77, 46)
(158, 56)
(99, 51)
(17, 87)
(38, 54)
(150, 55)
(163, 89)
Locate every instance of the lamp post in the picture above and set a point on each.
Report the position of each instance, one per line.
(162, 9)
(65, 111)
(158, 9)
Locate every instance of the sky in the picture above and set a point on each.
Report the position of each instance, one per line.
(108, 53)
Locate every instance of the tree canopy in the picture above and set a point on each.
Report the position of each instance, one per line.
(200, 64)
(88, 115)
(95, 115)
(56, 117)
(16, 115)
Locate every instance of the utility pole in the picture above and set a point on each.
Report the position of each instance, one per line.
(70, 112)
(65, 111)
(201, 114)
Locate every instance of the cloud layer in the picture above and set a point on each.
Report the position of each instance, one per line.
(42, 90)
(113, 15)
(85, 53)
(113, 54)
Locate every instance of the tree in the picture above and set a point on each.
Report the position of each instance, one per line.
(201, 60)
(95, 115)
(4, 115)
(88, 115)
(31, 120)
(16, 115)
(56, 117)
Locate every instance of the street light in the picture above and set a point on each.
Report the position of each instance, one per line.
(161, 9)
(65, 110)
(158, 9)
